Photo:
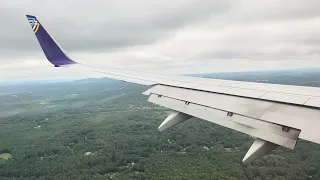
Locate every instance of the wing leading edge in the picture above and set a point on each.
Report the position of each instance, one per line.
(274, 114)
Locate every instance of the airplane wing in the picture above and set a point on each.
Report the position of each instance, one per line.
(277, 115)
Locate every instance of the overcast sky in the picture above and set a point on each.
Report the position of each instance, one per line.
(176, 36)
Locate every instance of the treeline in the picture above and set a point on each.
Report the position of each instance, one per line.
(128, 146)
(4, 151)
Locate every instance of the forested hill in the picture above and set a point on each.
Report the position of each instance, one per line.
(105, 129)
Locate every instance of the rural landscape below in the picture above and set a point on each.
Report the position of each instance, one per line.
(106, 129)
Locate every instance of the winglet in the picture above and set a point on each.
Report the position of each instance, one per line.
(51, 49)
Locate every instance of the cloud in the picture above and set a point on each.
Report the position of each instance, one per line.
(179, 36)
(104, 25)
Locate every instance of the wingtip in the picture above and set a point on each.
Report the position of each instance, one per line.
(51, 49)
(30, 16)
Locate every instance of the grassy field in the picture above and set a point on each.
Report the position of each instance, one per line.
(5, 156)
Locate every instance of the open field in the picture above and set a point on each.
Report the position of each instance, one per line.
(5, 156)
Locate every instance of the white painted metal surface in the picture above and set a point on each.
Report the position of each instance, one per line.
(246, 92)
(287, 98)
(301, 118)
(248, 107)
(313, 101)
(270, 132)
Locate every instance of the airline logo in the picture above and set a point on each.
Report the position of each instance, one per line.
(34, 24)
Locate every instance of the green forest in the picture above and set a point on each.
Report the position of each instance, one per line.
(106, 129)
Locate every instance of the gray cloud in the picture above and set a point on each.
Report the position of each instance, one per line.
(103, 25)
